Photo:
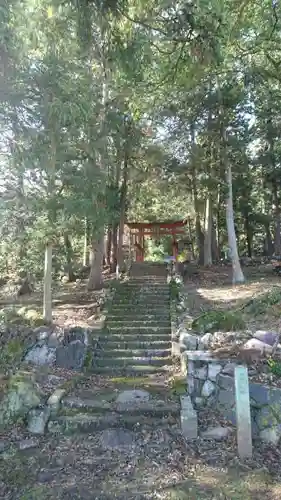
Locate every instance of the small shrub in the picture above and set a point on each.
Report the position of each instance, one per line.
(12, 352)
(212, 321)
(274, 367)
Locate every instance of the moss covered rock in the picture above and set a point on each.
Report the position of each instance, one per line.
(20, 396)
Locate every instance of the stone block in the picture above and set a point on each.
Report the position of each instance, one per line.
(204, 342)
(258, 345)
(201, 373)
(217, 433)
(133, 396)
(226, 399)
(41, 355)
(269, 338)
(54, 400)
(190, 341)
(208, 389)
(71, 356)
(271, 435)
(189, 421)
(184, 365)
(225, 382)
(228, 369)
(213, 370)
(27, 444)
(37, 420)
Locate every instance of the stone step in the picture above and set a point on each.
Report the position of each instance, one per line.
(93, 404)
(135, 323)
(136, 315)
(145, 303)
(133, 361)
(139, 353)
(152, 299)
(134, 344)
(129, 337)
(138, 330)
(129, 311)
(153, 307)
(85, 423)
(129, 371)
(145, 287)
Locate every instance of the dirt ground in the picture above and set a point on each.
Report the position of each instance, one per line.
(212, 289)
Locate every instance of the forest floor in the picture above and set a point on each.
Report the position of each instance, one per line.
(212, 289)
(71, 468)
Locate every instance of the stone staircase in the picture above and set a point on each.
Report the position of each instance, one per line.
(133, 359)
(137, 336)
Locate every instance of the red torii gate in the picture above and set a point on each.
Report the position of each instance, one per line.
(138, 231)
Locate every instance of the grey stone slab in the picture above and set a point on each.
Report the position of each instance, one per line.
(117, 439)
(37, 420)
(201, 373)
(189, 421)
(228, 369)
(217, 433)
(229, 414)
(27, 444)
(133, 396)
(71, 356)
(258, 345)
(190, 341)
(271, 435)
(213, 370)
(225, 382)
(204, 342)
(73, 334)
(243, 413)
(41, 355)
(208, 389)
(269, 338)
(226, 399)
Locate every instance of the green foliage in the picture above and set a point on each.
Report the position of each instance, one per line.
(12, 353)
(274, 367)
(260, 304)
(212, 321)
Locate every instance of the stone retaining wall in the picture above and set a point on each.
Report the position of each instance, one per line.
(211, 384)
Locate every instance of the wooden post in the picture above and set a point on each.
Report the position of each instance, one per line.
(243, 413)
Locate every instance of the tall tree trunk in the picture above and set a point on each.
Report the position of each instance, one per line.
(47, 296)
(218, 221)
(237, 273)
(86, 243)
(69, 257)
(215, 249)
(108, 247)
(208, 232)
(199, 233)
(95, 281)
(191, 238)
(238, 276)
(114, 247)
(269, 247)
(248, 232)
(123, 196)
(277, 213)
